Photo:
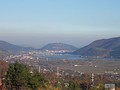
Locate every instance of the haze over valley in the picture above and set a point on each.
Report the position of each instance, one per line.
(59, 44)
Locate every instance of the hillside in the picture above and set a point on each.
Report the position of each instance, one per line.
(3, 54)
(58, 46)
(103, 48)
(7, 47)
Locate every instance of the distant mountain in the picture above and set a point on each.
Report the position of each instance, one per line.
(58, 46)
(5, 46)
(103, 48)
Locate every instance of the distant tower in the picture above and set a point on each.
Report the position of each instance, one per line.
(39, 69)
(92, 79)
(57, 71)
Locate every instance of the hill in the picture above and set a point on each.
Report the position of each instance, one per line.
(3, 54)
(102, 48)
(58, 46)
(7, 47)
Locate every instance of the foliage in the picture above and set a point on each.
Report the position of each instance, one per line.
(74, 86)
(49, 87)
(35, 81)
(3, 68)
(18, 77)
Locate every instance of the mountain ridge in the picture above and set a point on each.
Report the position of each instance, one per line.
(8, 47)
(102, 48)
(58, 46)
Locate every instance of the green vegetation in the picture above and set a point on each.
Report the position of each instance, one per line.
(35, 81)
(19, 77)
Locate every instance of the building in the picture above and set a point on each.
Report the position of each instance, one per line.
(109, 86)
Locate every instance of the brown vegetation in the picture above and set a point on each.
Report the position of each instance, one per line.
(3, 67)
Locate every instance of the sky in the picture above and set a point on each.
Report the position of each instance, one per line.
(77, 22)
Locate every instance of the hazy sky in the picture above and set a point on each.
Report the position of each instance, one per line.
(77, 22)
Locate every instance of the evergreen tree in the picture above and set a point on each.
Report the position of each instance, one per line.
(19, 77)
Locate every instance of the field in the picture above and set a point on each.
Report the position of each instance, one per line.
(85, 66)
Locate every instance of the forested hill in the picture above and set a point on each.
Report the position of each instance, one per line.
(104, 48)
(58, 46)
(8, 47)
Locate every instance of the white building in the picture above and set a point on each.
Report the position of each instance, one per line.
(109, 86)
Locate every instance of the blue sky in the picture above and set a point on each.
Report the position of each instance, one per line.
(77, 22)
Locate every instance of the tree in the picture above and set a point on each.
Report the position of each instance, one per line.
(35, 81)
(74, 85)
(3, 68)
(19, 77)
